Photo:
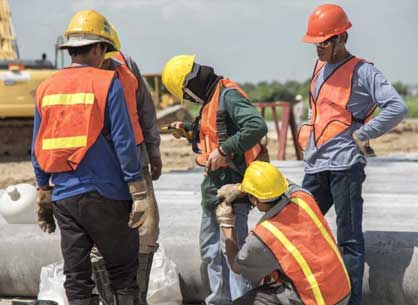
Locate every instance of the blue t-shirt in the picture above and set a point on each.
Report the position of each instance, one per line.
(369, 88)
(108, 165)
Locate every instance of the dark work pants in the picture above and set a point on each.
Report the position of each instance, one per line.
(265, 295)
(343, 190)
(90, 219)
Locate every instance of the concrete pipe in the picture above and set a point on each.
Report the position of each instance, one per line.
(391, 235)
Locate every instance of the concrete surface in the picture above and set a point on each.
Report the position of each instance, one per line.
(391, 231)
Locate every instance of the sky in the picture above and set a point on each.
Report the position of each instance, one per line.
(245, 40)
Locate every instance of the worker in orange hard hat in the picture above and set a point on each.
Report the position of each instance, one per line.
(344, 90)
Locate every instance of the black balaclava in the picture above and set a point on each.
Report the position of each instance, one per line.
(203, 85)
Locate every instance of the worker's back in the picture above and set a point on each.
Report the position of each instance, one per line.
(307, 257)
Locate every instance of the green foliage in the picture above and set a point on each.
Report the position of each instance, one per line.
(412, 103)
(401, 88)
(276, 91)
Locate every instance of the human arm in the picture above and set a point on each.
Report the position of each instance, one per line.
(42, 178)
(148, 122)
(121, 132)
(146, 113)
(44, 205)
(249, 122)
(382, 93)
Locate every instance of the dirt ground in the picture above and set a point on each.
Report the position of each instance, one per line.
(177, 154)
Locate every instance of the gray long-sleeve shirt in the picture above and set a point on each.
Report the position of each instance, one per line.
(369, 88)
(255, 260)
(146, 112)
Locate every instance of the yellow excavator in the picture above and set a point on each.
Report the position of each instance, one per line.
(18, 82)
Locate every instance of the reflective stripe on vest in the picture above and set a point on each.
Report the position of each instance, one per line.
(71, 104)
(330, 115)
(68, 99)
(130, 87)
(301, 241)
(208, 130)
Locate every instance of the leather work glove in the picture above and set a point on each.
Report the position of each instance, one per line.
(177, 129)
(44, 210)
(364, 146)
(140, 205)
(156, 167)
(225, 215)
(229, 193)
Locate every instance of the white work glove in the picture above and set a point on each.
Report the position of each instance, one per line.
(225, 215)
(229, 193)
(364, 146)
(141, 203)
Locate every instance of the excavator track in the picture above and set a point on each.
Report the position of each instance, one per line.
(15, 138)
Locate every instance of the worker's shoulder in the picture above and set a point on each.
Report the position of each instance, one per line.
(232, 96)
(366, 69)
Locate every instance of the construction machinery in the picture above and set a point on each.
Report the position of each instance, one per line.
(162, 98)
(18, 82)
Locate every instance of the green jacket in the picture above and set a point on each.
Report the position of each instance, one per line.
(246, 127)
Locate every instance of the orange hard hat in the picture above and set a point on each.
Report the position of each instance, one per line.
(326, 21)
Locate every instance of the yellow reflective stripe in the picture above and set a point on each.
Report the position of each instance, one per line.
(299, 259)
(68, 99)
(303, 205)
(67, 142)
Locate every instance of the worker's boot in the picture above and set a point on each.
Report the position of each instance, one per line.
(94, 300)
(126, 297)
(144, 270)
(81, 302)
(101, 278)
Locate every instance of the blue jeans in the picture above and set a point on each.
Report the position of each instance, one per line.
(343, 190)
(225, 285)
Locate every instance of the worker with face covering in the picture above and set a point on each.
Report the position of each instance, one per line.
(226, 137)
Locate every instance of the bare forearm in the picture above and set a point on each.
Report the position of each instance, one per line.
(231, 247)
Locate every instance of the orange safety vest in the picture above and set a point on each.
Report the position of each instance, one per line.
(208, 134)
(71, 104)
(130, 87)
(330, 115)
(301, 240)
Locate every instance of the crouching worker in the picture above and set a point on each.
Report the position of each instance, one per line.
(291, 252)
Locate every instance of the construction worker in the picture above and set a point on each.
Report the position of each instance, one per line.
(84, 143)
(344, 92)
(226, 135)
(291, 251)
(144, 122)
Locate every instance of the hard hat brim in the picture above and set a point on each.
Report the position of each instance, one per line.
(315, 39)
(80, 41)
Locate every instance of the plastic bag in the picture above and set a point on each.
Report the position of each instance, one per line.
(51, 286)
(164, 284)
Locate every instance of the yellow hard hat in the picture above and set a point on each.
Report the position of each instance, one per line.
(264, 181)
(115, 40)
(175, 72)
(88, 27)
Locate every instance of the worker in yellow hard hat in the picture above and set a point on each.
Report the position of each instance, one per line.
(291, 253)
(344, 92)
(144, 123)
(84, 144)
(226, 138)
